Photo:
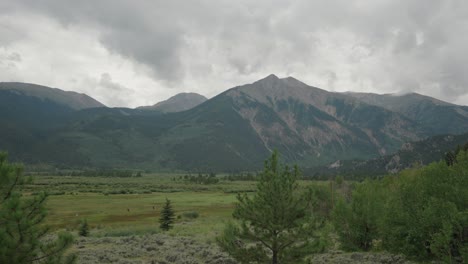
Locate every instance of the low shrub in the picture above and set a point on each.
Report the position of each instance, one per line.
(191, 214)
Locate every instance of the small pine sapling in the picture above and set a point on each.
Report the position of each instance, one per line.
(167, 216)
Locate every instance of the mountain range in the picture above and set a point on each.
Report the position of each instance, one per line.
(233, 131)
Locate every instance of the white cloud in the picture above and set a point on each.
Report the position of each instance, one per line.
(72, 58)
(155, 49)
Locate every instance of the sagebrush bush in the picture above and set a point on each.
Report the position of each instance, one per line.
(191, 214)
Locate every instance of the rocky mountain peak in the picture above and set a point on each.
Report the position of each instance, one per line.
(177, 103)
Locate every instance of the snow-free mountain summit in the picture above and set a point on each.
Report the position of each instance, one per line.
(235, 130)
(177, 103)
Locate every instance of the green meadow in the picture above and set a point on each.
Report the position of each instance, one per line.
(136, 212)
(131, 206)
(115, 206)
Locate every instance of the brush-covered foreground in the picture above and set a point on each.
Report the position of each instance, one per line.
(123, 214)
(162, 248)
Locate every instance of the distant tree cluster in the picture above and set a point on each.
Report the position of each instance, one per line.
(102, 173)
(205, 179)
(242, 176)
(324, 174)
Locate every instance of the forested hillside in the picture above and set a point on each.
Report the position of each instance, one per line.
(233, 131)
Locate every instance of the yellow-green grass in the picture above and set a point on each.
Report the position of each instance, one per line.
(134, 211)
(138, 211)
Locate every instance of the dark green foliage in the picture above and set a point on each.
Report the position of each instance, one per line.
(242, 176)
(451, 156)
(421, 212)
(339, 180)
(22, 231)
(242, 248)
(166, 219)
(356, 222)
(427, 215)
(275, 225)
(84, 228)
(320, 202)
(202, 179)
(191, 214)
(100, 173)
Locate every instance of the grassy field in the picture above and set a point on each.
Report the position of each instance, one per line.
(140, 211)
(123, 216)
(126, 206)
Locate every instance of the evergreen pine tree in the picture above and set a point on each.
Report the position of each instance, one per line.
(22, 230)
(275, 225)
(167, 216)
(450, 158)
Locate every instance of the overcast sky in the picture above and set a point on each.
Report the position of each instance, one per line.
(131, 53)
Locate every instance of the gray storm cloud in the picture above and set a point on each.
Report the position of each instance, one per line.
(207, 46)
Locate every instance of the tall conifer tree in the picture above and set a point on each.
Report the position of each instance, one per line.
(21, 223)
(275, 225)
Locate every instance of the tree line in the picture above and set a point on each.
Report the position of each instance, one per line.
(101, 173)
(200, 178)
(420, 212)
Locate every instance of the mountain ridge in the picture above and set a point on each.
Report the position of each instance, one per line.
(233, 131)
(427, 111)
(74, 100)
(177, 103)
